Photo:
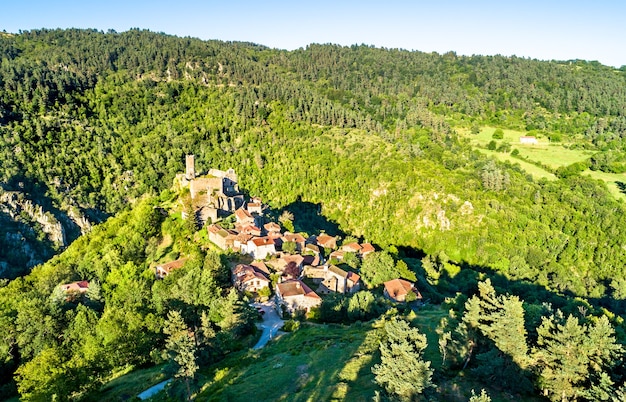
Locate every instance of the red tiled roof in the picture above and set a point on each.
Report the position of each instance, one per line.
(367, 248)
(297, 258)
(294, 237)
(244, 273)
(323, 240)
(272, 227)
(262, 241)
(294, 288)
(214, 228)
(242, 215)
(337, 254)
(250, 229)
(353, 277)
(351, 247)
(168, 267)
(243, 238)
(400, 287)
(260, 265)
(80, 286)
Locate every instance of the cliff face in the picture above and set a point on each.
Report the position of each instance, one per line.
(31, 233)
(16, 206)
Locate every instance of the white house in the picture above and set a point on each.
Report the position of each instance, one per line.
(528, 140)
(259, 248)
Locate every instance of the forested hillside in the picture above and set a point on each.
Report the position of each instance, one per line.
(92, 122)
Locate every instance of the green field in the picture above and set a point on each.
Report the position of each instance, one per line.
(127, 386)
(316, 363)
(613, 181)
(552, 155)
(534, 170)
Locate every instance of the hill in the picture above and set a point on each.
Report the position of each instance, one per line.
(377, 143)
(92, 121)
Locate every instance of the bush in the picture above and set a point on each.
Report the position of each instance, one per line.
(498, 134)
(515, 152)
(264, 293)
(504, 147)
(291, 326)
(492, 145)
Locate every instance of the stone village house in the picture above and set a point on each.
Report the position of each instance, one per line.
(293, 295)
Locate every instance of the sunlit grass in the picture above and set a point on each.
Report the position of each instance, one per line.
(125, 385)
(535, 171)
(612, 180)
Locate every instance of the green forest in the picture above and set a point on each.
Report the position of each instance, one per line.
(524, 274)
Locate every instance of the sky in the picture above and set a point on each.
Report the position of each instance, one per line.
(545, 30)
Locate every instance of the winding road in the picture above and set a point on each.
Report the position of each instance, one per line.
(271, 324)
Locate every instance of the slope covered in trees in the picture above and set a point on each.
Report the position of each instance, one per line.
(92, 121)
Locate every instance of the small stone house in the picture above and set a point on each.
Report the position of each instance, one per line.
(255, 207)
(272, 227)
(164, 270)
(75, 287)
(351, 248)
(260, 266)
(326, 241)
(333, 279)
(295, 296)
(259, 248)
(249, 230)
(398, 289)
(248, 278)
(366, 248)
(244, 217)
(295, 238)
(241, 240)
(339, 281)
(281, 262)
(222, 238)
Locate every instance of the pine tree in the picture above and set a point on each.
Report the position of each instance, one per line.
(180, 349)
(572, 359)
(402, 371)
(499, 320)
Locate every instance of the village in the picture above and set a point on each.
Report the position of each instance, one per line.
(297, 269)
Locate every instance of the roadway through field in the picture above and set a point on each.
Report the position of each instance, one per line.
(271, 323)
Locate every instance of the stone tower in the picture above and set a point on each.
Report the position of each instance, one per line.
(190, 167)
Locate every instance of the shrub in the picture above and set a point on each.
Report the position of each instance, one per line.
(291, 326)
(498, 134)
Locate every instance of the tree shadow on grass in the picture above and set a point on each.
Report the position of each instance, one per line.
(302, 366)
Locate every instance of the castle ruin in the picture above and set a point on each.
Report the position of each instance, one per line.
(215, 194)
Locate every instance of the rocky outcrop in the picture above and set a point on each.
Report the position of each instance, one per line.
(16, 206)
(79, 219)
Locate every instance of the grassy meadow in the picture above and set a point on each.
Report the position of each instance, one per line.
(551, 155)
(615, 182)
(315, 363)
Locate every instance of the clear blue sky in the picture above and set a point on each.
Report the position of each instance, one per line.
(561, 30)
